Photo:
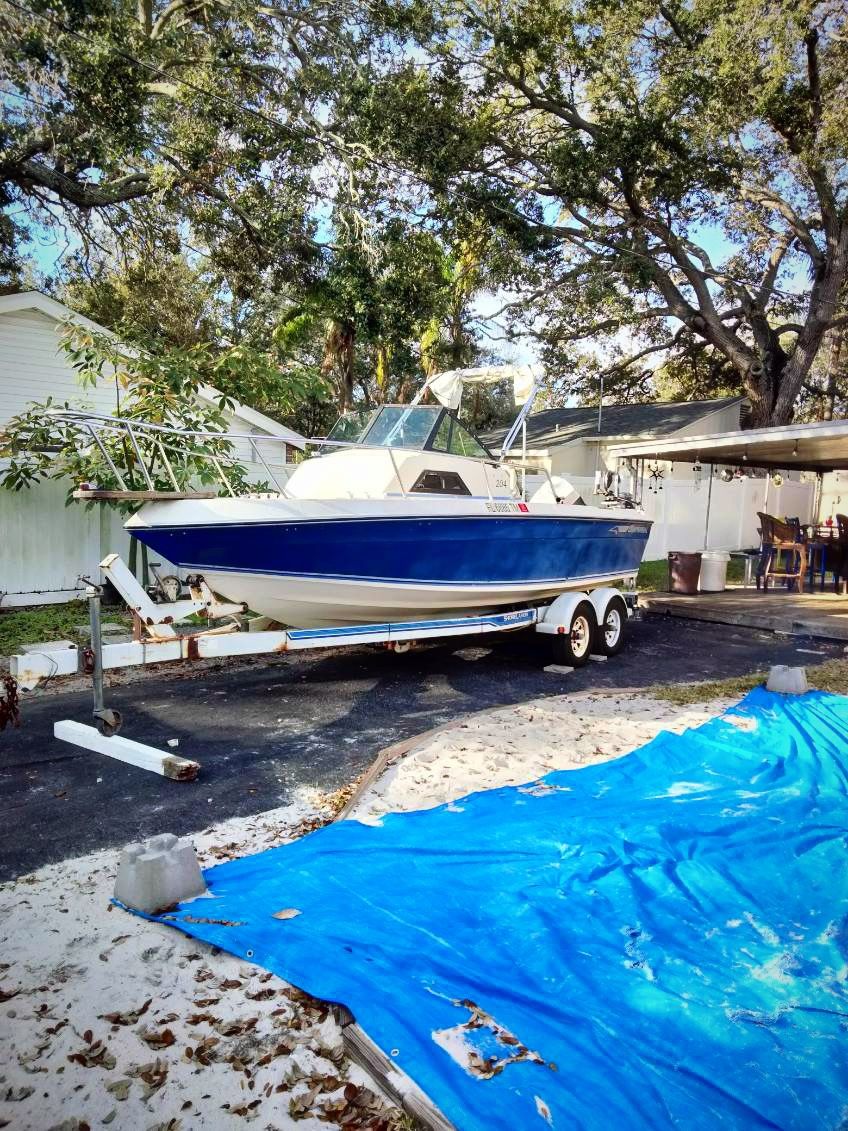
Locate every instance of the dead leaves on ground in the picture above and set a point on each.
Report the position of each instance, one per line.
(158, 1038)
(94, 1055)
(128, 1017)
(152, 1075)
(355, 1107)
(120, 1089)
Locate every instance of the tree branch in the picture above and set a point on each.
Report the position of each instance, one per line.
(83, 194)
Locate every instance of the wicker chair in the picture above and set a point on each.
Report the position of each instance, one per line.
(781, 537)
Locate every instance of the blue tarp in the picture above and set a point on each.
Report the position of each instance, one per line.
(657, 941)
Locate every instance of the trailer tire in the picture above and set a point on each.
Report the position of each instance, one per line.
(611, 634)
(574, 647)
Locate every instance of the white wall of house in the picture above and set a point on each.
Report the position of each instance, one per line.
(582, 457)
(32, 368)
(45, 545)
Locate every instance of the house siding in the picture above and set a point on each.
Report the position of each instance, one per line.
(33, 368)
(45, 546)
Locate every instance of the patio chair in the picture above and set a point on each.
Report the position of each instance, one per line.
(781, 537)
(840, 565)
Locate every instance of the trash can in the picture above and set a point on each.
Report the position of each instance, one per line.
(683, 572)
(714, 571)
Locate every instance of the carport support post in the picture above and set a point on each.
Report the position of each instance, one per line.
(709, 503)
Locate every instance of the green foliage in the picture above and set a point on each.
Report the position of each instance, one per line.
(617, 147)
(831, 676)
(51, 622)
(159, 387)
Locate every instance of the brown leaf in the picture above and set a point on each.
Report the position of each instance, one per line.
(128, 1017)
(286, 913)
(160, 1039)
(96, 1055)
(200, 1018)
(261, 995)
(7, 995)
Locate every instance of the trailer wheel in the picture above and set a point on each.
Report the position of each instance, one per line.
(573, 647)
(612, 631)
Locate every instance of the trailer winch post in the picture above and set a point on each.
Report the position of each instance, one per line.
(108, 721)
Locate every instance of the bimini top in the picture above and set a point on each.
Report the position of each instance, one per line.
(447, 387)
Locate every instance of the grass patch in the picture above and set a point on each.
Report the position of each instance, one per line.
(653, 576)
(831, 676)
(51, 622)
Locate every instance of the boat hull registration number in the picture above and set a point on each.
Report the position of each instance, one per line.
(507, 508)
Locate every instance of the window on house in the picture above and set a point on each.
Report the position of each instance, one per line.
(439, 483)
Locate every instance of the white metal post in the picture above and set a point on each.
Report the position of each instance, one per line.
(709, 503)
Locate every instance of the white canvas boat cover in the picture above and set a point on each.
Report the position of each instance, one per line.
(447, 387)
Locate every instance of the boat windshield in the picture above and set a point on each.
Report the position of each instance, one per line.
(402, 426)
(352, 426)
(418, 427)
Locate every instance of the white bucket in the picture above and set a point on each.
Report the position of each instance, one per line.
(713, 577)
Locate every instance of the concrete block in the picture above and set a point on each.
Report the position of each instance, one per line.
(558, 669)
(787, 680)
(158, 873)
(108, 628)
(46, 646)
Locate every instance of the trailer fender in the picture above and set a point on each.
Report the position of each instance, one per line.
(600, 598)
(557, 616)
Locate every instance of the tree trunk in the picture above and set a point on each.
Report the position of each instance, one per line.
(338, 359)
(837, 339)
(823, 305)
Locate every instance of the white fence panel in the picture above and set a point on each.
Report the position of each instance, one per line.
(46, 546)
(679, 511)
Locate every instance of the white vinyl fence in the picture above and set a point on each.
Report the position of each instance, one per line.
(679, 511)
(46, 546)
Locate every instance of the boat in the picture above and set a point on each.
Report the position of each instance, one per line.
(402, 514)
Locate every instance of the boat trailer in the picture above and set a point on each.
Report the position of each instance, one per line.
(156, 640)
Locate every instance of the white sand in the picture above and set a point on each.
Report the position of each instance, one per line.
(517, 745)
(67, 957)
(259, 1051)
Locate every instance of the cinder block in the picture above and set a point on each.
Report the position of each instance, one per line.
(46, 646)
(787, 680)
(158, 873)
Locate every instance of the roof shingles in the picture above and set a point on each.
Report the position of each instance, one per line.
(563, 425)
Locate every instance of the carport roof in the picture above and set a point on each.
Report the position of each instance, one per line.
(802, 447)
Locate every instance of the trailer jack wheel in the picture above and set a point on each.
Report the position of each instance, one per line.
(108, 722)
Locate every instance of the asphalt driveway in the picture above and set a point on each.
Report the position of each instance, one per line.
(305, 719)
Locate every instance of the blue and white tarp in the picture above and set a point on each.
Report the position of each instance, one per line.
(657, 941)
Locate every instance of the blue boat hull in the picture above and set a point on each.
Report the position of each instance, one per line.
(405, 564)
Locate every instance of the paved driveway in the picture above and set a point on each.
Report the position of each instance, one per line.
(304, 719)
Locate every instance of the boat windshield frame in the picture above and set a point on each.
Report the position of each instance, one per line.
(411, 427)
